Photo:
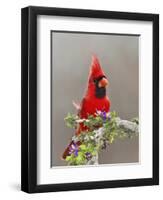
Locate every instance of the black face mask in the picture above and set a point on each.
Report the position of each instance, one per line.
(100, 92)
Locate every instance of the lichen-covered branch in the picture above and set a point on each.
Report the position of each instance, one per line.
(103, 130)
(128, 126)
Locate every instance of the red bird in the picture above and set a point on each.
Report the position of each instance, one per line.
(94, 99)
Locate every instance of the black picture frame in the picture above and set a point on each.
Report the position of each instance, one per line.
(29, 98)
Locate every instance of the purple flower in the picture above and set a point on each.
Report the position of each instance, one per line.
(103, 115)
(109, 117)
(88, 155)
(74, 149)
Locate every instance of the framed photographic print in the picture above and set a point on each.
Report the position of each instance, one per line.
(90, 99)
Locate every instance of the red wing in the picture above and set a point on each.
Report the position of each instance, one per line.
(82, 113)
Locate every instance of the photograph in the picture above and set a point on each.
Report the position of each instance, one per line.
(90, 92)
(94, 98)
(80, 112)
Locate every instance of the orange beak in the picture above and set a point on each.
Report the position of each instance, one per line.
(103, 82)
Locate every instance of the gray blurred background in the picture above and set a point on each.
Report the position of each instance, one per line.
(71, 59)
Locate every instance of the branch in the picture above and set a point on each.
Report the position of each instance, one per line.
(128, 126)
(92, 141)
(125, 125)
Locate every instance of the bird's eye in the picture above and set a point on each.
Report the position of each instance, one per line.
(95, 81)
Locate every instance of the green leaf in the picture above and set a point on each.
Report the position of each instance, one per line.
(68, 158)
(83, 147)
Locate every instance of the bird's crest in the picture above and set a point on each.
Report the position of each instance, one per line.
(95, 69)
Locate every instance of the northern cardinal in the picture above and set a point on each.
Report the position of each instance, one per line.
(95, 99)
